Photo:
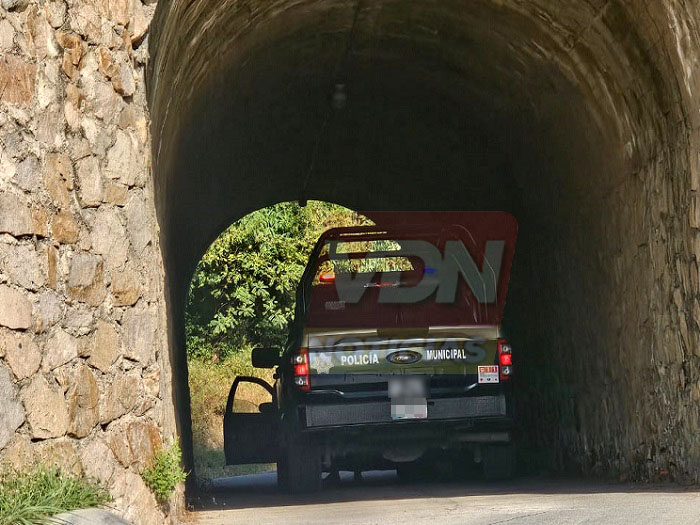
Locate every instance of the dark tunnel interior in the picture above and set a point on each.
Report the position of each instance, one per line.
(450, 105)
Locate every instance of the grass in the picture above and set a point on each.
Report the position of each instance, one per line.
(165, 472)
(32, 497)
(210, 383)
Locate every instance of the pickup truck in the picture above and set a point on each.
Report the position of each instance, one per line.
(395, 353)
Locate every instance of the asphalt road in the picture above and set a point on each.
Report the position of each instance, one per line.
(381, 499)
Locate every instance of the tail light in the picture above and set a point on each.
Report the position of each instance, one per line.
(505, 359)
(300, 362)
(327, 278)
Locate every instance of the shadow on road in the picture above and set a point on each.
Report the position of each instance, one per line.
(260, 490)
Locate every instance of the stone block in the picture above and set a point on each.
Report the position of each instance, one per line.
(41, 33)
(15, 309)
(60, 453)
(123, 160)
(86, 279)
(118, 11)
(126, 287)
(138, 24)
(119, 445)
(106, 346)
(60, 164)
(109, 237)
(40, 220)
(7, 35)
(136, 499)
(55, 13)
(15, 215)
(50, 125)
(139, 328)
(64, 227)
(120, 397)
(79, 319)
(28, 175)
(144, 441)
(116, 194)
(18, 454)
(138, 218)
(17, 80)
(21, 353)
(53, 270)
(46, 409)
(57, 189)
(24, 264)
(60, 349)
(83, 270)
(12, 411)
(48, 311)
(123, 80)
(83, 402)
(98, 461)
(90, 182)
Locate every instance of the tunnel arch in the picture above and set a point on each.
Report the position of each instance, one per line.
(578, 117)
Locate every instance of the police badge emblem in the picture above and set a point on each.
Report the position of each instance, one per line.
(322, 362)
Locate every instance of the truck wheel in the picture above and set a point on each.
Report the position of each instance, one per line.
(499, 461)
(412, 471)
(282, 472)
(301, 467)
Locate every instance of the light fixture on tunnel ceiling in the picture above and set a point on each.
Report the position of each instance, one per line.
(340, 96)
(339, 99)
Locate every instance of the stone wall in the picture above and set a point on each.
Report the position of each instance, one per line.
(84, 371)
(578, 116)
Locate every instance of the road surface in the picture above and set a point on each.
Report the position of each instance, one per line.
(381, 499)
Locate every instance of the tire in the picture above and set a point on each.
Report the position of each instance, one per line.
(499, 462)
(412, 471)
(301, 466)
(282, 473)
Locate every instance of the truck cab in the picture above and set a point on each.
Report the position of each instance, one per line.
(395, 353)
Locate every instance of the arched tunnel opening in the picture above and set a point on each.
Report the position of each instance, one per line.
(568, 115)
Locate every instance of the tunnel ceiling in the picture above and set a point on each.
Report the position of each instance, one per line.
(573, 115)
(490, 99)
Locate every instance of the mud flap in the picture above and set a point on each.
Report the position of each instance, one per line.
(250, 438)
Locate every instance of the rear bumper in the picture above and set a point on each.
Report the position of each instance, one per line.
(481, 410)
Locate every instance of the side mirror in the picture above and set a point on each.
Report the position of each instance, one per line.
(265, 357)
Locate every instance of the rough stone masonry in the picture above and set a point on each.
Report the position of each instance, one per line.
(84, 374)
(91, 233)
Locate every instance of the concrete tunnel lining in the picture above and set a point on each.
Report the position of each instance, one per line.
(573, 116)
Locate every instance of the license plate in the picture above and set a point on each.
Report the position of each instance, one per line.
(408, 398)
(488, 374)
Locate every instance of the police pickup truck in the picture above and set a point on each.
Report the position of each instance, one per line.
(394, 354)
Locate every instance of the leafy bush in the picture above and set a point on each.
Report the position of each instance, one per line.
(243, 290)
(165, 472)
(33, 496)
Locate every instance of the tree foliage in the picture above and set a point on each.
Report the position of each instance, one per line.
(243, 290)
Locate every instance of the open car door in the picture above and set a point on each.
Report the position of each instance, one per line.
(251, 437)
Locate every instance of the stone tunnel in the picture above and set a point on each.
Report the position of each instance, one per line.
(133, 134)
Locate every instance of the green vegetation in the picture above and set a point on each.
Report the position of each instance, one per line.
(33, 496)
(165, 472)
(242, 292)
(209, 386)
(241, 296)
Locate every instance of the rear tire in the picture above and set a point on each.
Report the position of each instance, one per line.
(498, 461)
(301, 465)
(412, 471)
(282, 472)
